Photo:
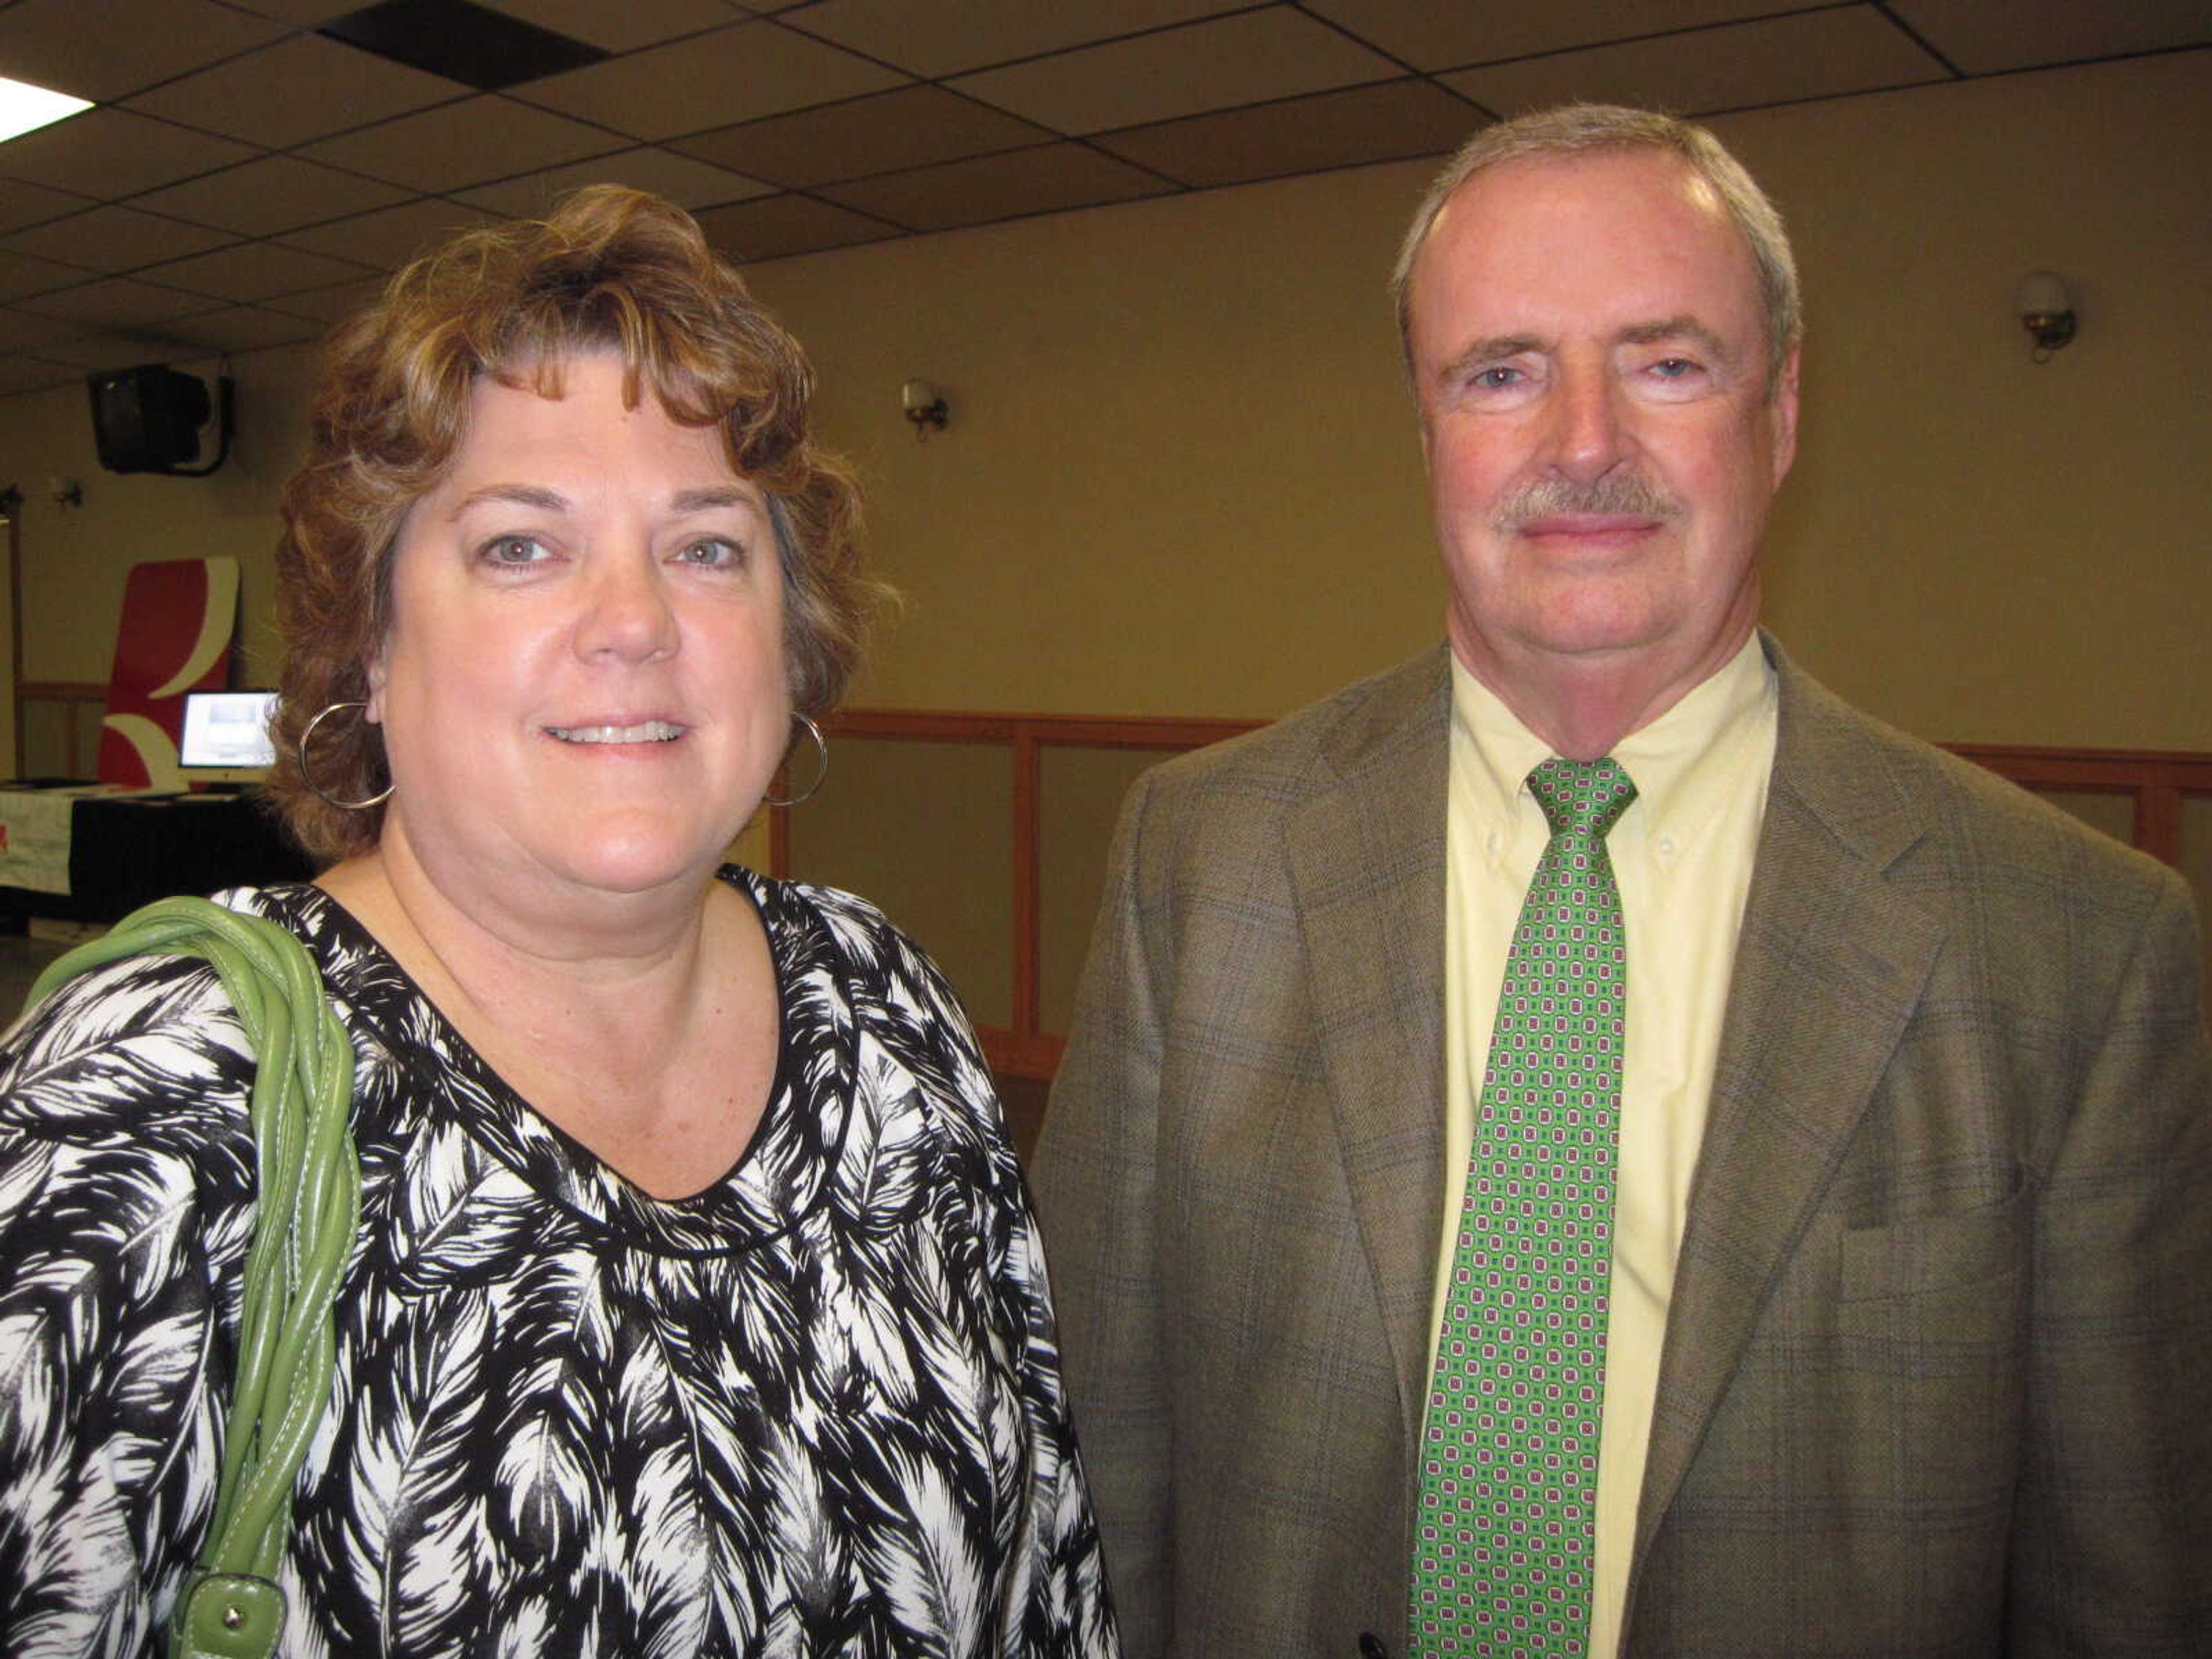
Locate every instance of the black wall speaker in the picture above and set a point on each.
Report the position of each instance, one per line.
(147, 419)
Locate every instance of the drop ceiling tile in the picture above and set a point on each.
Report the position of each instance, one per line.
(683, 181)
(914, 126)
(1048, 179)
(930, 38)
(1388, 122)
(82, 349)
(1247, 59)
(453, 145)
(108, 52)
(20, 274)
(253, 270)
(30, 374)
(622, 25)
(307, 12)
(777, 226)
(1429, 36)
(242, 328)
(21, 331)
(1982, 39)
(390, 237)
(115, 239)
(117, 302)
(24, 204)
(332, 305)
(752, 69)
(107, 153)
(1737, 66)
(300, 88)
(278, 192)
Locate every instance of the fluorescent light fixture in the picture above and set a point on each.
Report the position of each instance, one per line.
(25, 108)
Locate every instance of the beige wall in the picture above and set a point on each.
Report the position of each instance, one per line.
(1182, 475)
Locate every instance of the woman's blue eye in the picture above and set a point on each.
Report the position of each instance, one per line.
(713, 551)
(514, 550)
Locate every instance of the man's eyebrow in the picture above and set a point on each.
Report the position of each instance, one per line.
(1677, 328)
(1489, 351)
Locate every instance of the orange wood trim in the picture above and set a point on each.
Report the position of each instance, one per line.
(778, 842)
(63, 691)
(2158, 823)
(1036, 1056)
(1055, 731)
(1029, 856)
(16, 632)
(2158, 780)
(2091, 769)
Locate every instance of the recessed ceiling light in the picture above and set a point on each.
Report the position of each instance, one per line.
(25, 108)
(461, 40)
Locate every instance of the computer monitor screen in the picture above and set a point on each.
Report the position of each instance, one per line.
(226, 738)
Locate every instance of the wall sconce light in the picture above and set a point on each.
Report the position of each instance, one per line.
(2046, 310)
(64, 492)
(926, 407)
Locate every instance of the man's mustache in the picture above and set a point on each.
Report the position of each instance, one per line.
(1617, 493)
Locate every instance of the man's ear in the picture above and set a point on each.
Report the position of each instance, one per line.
(1782, 410)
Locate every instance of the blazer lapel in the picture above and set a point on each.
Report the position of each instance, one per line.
(1830, 966)
(1365, 850)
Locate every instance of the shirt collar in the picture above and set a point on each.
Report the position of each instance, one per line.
(1684, 763)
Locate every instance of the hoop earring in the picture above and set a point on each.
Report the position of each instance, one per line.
(308, 777)
(822, 749)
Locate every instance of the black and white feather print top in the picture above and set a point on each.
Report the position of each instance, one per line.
(814, 1409)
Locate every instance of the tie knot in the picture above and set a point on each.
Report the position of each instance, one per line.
(1589, 796)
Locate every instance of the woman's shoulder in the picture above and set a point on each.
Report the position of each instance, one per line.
(144, 1056)
(895, 992)
(140, 1041)
(807, 920)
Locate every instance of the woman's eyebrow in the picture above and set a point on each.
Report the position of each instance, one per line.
(514, 494)
(714, 495)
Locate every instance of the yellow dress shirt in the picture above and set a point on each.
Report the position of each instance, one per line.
(1682, 855)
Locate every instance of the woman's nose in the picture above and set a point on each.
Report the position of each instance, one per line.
(627, 616)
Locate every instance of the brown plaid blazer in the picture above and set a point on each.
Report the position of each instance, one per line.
(1938, 1375)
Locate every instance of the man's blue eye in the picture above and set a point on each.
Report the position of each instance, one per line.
(1492, 379)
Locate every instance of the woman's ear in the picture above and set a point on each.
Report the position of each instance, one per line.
(375, 713)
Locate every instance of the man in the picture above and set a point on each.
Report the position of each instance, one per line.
(1897, 1166)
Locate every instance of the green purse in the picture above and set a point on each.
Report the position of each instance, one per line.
(308, 1181)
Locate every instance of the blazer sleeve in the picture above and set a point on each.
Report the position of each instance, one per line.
(1096, 1182)
(2113, 1526)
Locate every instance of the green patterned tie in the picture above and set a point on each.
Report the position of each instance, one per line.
(1502, 1546)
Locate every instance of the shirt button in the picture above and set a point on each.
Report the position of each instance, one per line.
(1666, 847)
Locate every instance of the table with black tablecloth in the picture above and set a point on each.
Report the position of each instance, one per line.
(126, 850)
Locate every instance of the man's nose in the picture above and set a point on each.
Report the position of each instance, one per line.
(1588, 434)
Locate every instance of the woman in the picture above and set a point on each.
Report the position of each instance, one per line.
(697, 1306)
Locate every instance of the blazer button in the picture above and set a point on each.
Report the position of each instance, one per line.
(1370, 1646)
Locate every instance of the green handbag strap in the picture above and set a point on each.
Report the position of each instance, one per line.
(307, 1183)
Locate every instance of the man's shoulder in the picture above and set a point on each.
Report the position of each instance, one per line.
(1361, 724)
(1864, 776)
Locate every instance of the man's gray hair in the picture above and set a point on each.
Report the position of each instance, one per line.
(1596, 129)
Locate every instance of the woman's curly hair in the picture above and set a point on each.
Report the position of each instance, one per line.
(610, 270)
